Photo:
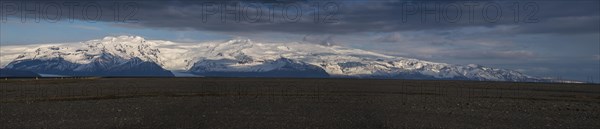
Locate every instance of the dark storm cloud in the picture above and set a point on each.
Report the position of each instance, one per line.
(559, 25)
(335, 17)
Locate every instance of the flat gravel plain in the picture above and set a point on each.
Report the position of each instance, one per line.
(293, 103)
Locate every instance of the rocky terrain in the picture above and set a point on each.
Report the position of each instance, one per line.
(293, 103)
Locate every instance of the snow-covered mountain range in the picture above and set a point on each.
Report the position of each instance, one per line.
(135, 56)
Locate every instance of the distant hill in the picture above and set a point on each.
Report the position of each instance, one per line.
(17, 73)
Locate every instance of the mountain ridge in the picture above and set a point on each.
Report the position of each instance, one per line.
(244, 57)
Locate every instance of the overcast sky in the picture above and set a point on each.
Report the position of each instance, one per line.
(552, 38)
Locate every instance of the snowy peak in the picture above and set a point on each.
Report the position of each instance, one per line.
(92, 58)
(243, 57)
(125, 47)
(246, 56)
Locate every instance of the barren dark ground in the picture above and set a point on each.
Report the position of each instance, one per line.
(294, 103)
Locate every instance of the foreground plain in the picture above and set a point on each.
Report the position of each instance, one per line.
(293, 103)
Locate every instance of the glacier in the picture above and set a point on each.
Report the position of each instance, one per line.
(136, 56)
